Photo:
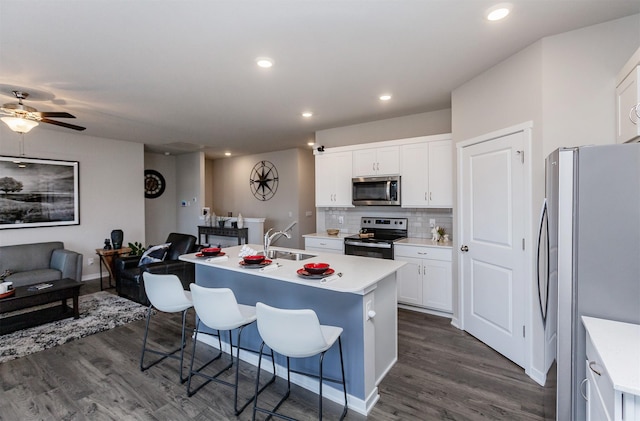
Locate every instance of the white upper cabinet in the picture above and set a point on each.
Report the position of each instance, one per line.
(427, 179)
(333, 179)
(376, 161)
(628, 107)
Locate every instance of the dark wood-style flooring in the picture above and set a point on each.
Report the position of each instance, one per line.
(442, 374)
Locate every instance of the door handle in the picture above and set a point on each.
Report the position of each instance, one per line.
(464, 248)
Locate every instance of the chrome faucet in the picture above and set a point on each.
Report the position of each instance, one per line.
(268, 238)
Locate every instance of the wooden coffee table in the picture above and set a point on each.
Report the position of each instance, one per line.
(24, 298)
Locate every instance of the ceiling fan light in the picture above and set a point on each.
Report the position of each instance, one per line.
(20, 125)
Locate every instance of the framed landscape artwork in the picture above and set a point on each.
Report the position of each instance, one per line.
(38, 192)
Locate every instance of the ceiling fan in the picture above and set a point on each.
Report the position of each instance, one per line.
(22, 118)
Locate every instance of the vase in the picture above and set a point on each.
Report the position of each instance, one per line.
(221, 224)
(240, 221)
(116, 238)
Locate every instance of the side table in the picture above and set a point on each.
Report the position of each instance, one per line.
(241, 233)
(108, 258)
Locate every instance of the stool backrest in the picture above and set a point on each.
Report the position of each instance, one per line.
(294, 333)
(165, 291)
(216, 307)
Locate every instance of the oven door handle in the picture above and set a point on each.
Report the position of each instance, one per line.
(371, 245)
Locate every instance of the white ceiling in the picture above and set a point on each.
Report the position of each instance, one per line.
(181, 75)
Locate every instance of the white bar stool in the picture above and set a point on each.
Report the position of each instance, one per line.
(165, 294)
(297, 334)
(218, 309)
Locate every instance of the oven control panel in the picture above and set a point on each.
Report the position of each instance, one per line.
(385, 223)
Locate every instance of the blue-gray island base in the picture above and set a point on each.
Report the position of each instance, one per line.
(362, 301)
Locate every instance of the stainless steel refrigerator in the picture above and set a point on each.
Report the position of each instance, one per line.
(593, 246)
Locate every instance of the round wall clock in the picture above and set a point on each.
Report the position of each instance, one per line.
(154, 184)
(264, 180)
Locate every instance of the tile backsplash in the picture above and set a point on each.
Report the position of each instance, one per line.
(418, 219)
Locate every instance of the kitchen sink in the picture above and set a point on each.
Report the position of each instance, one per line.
(288, 255)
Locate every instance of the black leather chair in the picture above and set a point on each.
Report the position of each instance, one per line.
(128, 274)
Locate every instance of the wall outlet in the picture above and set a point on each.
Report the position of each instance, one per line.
(90, 261)
(432, 223)
(341, 220)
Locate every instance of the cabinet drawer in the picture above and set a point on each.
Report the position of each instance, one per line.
(324, 243)
(419, 252)
(602, 382)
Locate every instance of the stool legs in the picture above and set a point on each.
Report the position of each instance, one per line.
(214, 378)
(273, 412)
(163, 354)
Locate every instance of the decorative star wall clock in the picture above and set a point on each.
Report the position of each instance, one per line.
(154, 184)
(264, 180)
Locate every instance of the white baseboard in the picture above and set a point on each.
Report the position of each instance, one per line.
(425, 310)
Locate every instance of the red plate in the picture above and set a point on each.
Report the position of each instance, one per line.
(265, 262)
(217, 255)
(8, 294)
(304, 274)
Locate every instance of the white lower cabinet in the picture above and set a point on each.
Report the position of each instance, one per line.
(326, 245)
(425, 281)
(608, 345)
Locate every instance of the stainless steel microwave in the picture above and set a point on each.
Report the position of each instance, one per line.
(376, 191)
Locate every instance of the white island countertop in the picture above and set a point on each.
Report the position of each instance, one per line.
(359, 274)
(618, 344)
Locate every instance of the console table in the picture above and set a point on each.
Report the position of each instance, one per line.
(108, 258)
(240, 233)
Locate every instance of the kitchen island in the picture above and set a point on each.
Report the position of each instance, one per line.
(362, 301)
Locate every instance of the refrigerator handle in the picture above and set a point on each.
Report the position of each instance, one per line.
(543, 306)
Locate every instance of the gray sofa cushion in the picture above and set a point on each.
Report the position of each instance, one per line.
(34, 277)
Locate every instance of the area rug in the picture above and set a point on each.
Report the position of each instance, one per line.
(99, 311)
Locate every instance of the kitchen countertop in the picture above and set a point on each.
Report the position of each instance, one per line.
(617, 343)
(339, 236)
(410, 241)
(414, 241)
(359, 274)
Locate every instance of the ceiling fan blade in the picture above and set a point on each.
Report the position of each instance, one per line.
(56, 114)
(61, 124)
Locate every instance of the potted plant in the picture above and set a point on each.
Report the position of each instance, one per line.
(137, 249)
(222, 220)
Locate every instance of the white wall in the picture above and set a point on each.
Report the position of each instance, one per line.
(230, 191)
(566, 85)
(190, 189)
(111, 189)
(161, 213)
(434, 122)
(579, 73)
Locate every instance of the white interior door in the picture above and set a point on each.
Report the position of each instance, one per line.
(493, 229)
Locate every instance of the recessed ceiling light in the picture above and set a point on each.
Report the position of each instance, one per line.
(497, 12)
(264, 62)
(385, 97)
(227, 154)
(307, 114)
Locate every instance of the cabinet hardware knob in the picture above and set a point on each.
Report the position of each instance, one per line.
(464, 248)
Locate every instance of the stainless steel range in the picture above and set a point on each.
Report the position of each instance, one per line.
(376, 237)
